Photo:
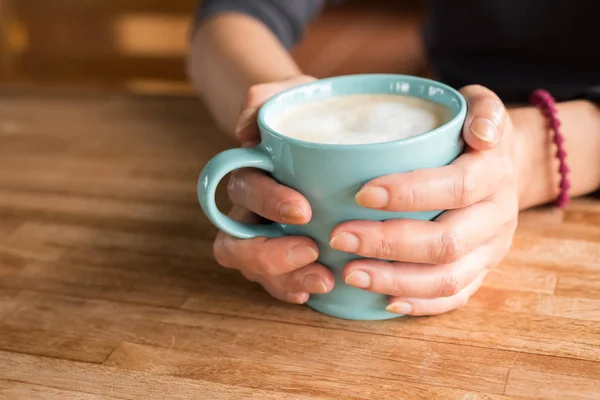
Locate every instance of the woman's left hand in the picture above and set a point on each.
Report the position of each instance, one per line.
(439, 264)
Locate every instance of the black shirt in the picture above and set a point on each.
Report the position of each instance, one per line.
(511, 46)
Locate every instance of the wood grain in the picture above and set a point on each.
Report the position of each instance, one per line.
(10, 390)
(119, 383)
(8, 302)
(55, 344)
(108, 288)
(278, 374)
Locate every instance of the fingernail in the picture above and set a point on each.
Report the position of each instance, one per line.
(399, 307)
(297, 298)
(292, 214)
(373, 197)
(314, 284)
(244, 120)
(359, 279)
(300, 256)
(345, 242)
(484, 129)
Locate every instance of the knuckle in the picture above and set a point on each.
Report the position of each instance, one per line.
(233, 184)
(261, 260)
(397, 285)
(409, 195)
(383, 249)
(264, 263)
(465, 187)
(253, 96)
(491, 102)
(450, 285)
(452, 247)
(240, 185)
(486, 104)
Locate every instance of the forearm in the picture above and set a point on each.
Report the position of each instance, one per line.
(230, 53)
(538, 166)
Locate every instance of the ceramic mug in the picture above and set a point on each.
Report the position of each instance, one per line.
(330, 175)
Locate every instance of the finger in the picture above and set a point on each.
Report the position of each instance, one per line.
(251, 256)
(247, 125)
(246, 130)
(418, 280)
(281, 294)
(263, 256)
(471, 178)
(441, 305)
(291, 287)
(278, 292)
(453, 235)
(486, 117)
(256, 191)
(314, 278)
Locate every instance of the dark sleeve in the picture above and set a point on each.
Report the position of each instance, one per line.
(592, 94)
(287, 19)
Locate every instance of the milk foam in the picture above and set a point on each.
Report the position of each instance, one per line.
(361, 119)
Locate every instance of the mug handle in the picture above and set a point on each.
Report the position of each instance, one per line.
(214, 171)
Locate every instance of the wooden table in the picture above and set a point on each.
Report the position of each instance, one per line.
(108, 289)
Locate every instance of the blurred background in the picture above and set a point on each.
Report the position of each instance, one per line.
(140, 45)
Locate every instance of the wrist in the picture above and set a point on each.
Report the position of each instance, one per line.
(534, 158)
(223, 68)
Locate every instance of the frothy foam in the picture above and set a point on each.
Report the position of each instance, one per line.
(361, 119)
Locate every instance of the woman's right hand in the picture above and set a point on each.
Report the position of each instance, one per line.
(284, 266)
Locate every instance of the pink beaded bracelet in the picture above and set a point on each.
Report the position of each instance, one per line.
(546, 103)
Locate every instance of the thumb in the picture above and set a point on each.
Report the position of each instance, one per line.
(486, 118)
(247, 128)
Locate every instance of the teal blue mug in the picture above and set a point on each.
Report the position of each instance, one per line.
(329, 175)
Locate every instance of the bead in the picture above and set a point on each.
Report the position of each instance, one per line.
(564, 197)
(559, 140)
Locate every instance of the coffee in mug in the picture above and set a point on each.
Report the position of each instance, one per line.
(361, 119)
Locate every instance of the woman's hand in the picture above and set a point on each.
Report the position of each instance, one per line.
(284, 266)
(440, 264)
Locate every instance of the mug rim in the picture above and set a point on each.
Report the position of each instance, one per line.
(460, 115)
